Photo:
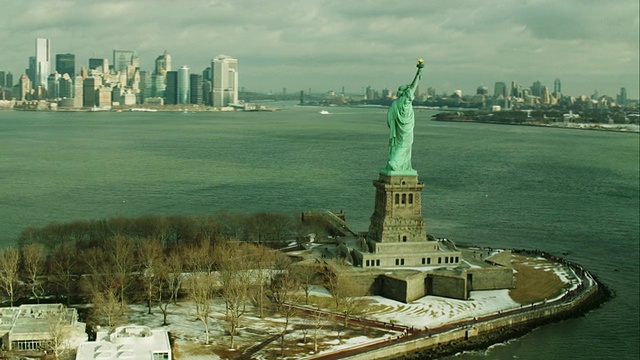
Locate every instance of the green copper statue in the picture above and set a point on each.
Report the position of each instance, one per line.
(400, 119)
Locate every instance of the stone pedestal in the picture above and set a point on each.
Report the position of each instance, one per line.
(397, 216)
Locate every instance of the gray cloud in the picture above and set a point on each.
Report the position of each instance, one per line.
(327, 44)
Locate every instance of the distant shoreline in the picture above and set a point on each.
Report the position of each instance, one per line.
(626, 128)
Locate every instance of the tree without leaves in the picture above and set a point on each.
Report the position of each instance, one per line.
(346, 292)
(175, 269)
(9, 261)
(306, 273)
(234, 224)
(264, 263)
(62, 269)
(166, 283)
(235, 281)
(200, 287)
(59, 324)
(284, 290)
(108, 309)
(120, 252)
(33, 261)
(150, 258)
(208, 227)
(318, 317)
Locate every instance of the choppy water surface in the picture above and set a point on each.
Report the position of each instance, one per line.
(559, 190)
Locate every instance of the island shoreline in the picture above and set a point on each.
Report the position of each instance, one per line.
(501, 328)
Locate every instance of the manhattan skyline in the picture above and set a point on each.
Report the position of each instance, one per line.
(327, 45)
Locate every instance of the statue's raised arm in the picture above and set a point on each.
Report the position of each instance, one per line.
(414, 83)
(400, 119)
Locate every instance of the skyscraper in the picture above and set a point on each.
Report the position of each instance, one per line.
(622, 97)
(66, 64)
(515, 91)
(9, 82)
(122, 59)
(196, 88)
(500, 89)
(171, 88)
(163, 64)
(78, 93)
(66, 86)
(53, 86)
(536, 89)
(90, 88)
(2, 79)
(482, 90)
(101, 65)
(225, 81)
(557, 86)
(43, 62)
(183, 85)
(32, 69)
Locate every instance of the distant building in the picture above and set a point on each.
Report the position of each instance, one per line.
(25, 88)
(622, 97)
(163, 64)
(557, 86)
(196, 89)
(500, 89)
(482, 90)
(101, 65)
(158, 85)
(536, 89)
(370, 93)
(104, 97)
(43, 62)
(225, 81)
(145, 85)
(207, 88)
(545, 97)
(206, 74)
(32, 69)
(9, 80)
(2, 79)
(171, 89)
(122, 59)
(66, 64)
(31, 327)
(515, 90)
(78, 93)
(53, 86)
(183, 85)
(154, 101)
(90, 86)
(127, 342)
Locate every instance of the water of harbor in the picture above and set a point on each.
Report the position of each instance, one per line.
(573, 192)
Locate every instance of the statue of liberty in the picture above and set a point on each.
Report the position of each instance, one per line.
(400, 119)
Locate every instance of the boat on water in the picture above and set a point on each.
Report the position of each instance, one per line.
(324, 112)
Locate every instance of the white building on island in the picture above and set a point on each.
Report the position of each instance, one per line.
(38, 327)
(127, 342)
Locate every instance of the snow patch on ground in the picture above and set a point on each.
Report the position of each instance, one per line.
(431, 311)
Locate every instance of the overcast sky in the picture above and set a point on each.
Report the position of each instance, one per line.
(327, 44)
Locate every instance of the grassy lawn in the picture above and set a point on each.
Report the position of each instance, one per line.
(535, 280)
